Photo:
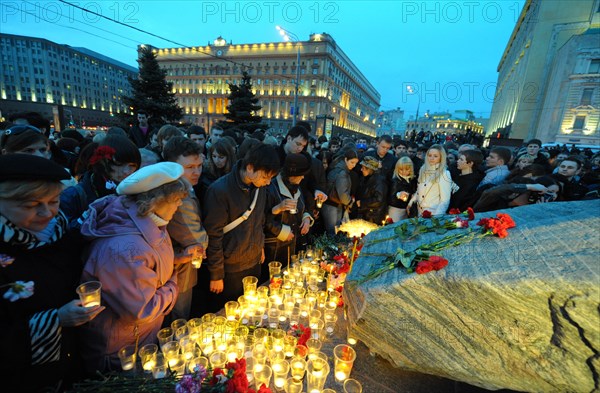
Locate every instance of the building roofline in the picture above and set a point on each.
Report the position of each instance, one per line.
(526, 7)
(84, 51)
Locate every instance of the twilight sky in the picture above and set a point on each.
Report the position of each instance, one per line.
(447, 50)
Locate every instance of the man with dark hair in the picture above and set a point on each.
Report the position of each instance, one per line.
(216, 133)
(533, 150)
(497, 164)
(185, 228)
(140, 133)
(568, 171)
(198, 135)
(401, 148)
(314, 184)
(334, 145)
(386, 159)
(234, 214)
(412, 151)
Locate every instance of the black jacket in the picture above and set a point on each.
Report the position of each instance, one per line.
(240, 249)
(55, 270)
(467, 194)
(399, 185)
(373, 199)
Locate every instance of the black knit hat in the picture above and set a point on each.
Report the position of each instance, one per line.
(296, 165)
(30, 167)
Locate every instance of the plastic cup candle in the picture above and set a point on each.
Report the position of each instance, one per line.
(90, 293)
(262, 376)
(352, 386)
(200, 361)
(164, 336)
(147, 355)
(196, 259)
(218, 359)
(281, 370)
(231, 310)
(344, 356)
(293, 386)
(127, 357)
(297, 368)
(160, 367)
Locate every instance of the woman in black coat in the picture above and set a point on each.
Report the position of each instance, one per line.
(371, 202)
(404, 185)
(39, 272)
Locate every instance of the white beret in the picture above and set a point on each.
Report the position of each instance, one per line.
(150, 177)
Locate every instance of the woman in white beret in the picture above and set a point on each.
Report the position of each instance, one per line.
(132, 256)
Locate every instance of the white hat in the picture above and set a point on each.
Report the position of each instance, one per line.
(150, 177)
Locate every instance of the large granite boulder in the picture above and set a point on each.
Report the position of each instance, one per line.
(520, 313)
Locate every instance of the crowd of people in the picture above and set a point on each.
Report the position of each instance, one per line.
(136, 210)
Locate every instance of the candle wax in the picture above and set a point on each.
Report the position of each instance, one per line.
(92, 304)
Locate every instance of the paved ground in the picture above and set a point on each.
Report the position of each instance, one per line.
(379, 376)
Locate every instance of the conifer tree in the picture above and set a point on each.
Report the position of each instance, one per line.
(243, 106)
(152, 92)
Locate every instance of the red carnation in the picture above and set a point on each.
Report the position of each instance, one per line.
(470, 213)
(101, 153)
(506, 219)
(389, 221)
(424, 267)
(426, 214)
(345, 268)
(484, 222)
(437, 262)
(454, 210)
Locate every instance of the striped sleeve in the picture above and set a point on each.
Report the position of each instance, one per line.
(45, 333)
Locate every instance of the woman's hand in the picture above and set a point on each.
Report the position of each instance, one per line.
(286, 204)
(216, 286)
(74, 314)
(305, 226)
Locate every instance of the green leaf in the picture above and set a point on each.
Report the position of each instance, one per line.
(440, 231)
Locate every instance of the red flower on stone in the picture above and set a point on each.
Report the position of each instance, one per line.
(454, 211)
(470, 213)
(437, 262)
(507, 220)
(424, 267)
(426, 214)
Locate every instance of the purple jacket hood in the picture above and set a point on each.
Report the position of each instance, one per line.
(117, 216)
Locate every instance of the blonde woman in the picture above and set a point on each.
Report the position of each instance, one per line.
(434, 187)
(404, 185)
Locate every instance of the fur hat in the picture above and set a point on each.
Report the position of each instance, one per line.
(371, 163)
(30, 167)
(149, 178)
(296, 165)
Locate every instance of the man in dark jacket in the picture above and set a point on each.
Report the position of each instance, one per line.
(387, 160)
(140, 133)
(235, 246)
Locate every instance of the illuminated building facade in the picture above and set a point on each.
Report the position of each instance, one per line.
(547, 85)
(329, 83)
(391, 122)
(35, 70)
(446, 123)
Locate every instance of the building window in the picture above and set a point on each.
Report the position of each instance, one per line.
(586, 97)
(579, 123)
(594, 67)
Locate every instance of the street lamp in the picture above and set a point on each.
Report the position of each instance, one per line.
(289, 36)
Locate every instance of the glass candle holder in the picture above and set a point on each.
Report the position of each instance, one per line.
(164, 336)
(317, 371)
(262, 376)
(249, 284)
(344, 356)
(330, 325)
(90, 293)
(289, 345)
(231, 310)
(281, 369)
(208, 317)
(127, 356)
(187, 347)
(178, 323)
(161, 367)
(260, 354)
(293, 386)
(171, 351)
(147, 355)
(297, 368)
(177, 365)
(197, 362)
(218, 359)
(352, 386)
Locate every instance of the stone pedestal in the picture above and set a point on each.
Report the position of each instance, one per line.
(520, 313)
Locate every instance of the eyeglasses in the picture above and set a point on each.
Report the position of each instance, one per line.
(17, 130)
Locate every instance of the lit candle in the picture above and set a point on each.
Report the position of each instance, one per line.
(231, 356)
(279, 382)
(341, 376)
(127, 366)
(172, 362)
(149, 365)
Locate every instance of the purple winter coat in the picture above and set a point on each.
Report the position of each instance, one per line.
(133, 259)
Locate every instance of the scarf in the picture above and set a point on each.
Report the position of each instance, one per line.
(15, 236)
